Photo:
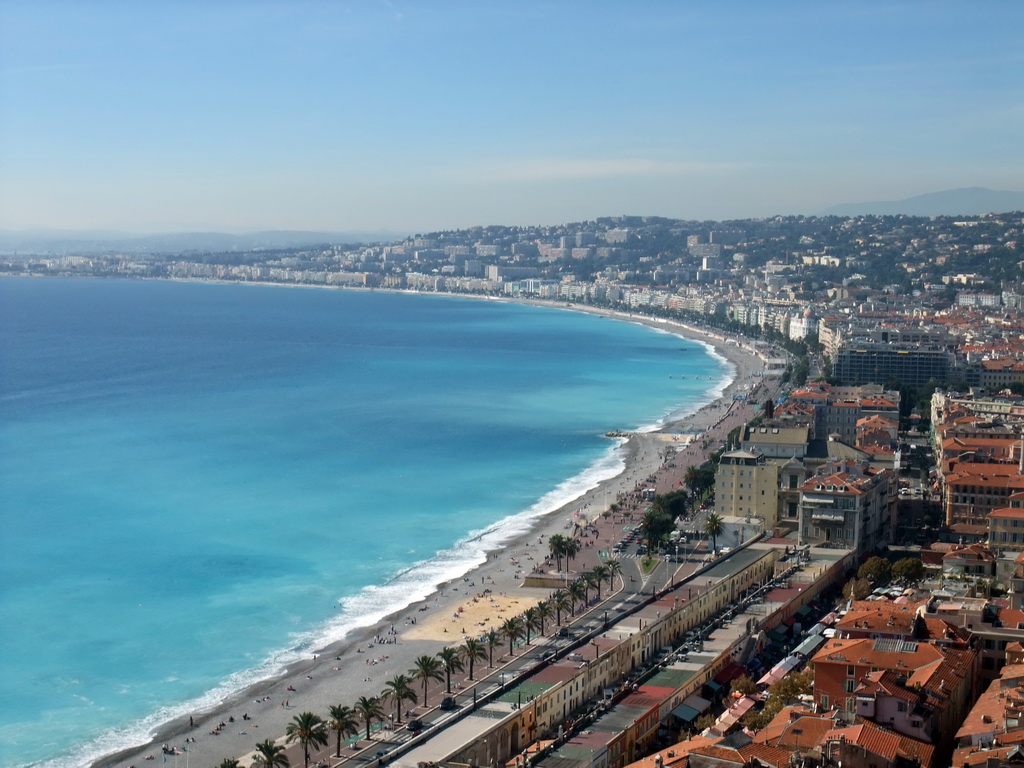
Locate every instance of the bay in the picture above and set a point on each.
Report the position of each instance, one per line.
(201, 482)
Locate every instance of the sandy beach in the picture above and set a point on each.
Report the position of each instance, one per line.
(465, 607)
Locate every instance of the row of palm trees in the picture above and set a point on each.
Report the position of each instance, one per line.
(311, 731)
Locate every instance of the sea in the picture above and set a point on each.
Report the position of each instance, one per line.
(202, 482)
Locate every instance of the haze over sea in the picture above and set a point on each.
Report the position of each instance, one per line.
(202, 482)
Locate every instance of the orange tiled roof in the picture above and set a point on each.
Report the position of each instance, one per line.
(884, 743)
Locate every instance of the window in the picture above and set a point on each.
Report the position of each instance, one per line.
(849, 685)
(824, 701)
(901, 706)
(851, 670)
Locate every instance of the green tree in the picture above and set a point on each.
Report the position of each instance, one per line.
(230, 762)
(473, 650)
(451, 660)
(343, 722)
(561, 601)
(309, 730)
(909, 570)
(713, 527)
(600, 573)
(369, 709)
(270, 755)
(399, 688)
(578, 592)
(614, 569)
(655, 526)
(556, 546)
(492, 640)
(512, 629)
(530, 622)
(875, 569)
(544, 612)
(425, 669)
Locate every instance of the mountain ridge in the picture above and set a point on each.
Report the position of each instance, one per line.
(963, 201)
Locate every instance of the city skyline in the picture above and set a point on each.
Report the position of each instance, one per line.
(423, 117)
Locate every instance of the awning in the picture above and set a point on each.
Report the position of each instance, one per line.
(810, 644)
(803, 611)
(715, 687)
(686, 713)
(729, 673)
(695, 701)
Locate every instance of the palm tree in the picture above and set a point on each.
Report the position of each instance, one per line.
(713, 527)
(600, 573)
(230, 762)
(492, 639)
(561, 601)
(369, 710)
(452, 661)
(556, 546)
(544, 611)
(425, 669)
(578, 592)
(309, 730)
(692, 479)
(592, 583)
(614, 569)
(512, 629)
(271, 755)
(530, 622)
(572, 548)
(343, 722)
(400, 689)
(472, 651)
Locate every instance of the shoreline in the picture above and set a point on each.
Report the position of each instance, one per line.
(337, 674)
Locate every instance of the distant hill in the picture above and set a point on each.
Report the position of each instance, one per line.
(96, 241)
(969, 201)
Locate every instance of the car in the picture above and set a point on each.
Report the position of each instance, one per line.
(564, 632)
(415, 726)
(447, 703)
(381, 753)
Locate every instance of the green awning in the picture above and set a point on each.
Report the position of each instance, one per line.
(685, 713)
(803, 611)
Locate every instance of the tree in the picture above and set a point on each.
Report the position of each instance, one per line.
(400, 689)
(614, 569)
(713, 527)
(512, 629)
(744, 685)
(909, 570)
(425, 669)
(704, 722)
(556, 546)
(369, 709)
(578, 592)
(655, 526)
(309, 730)
(600, 573)
(544, 612)
(451, 660)
(230, 762)
(572, 548)
(343, 722)
(270, 755)
(876, 570)
(530, 622)
(692, 479)
(857, 589)
(492, 639)
(591, 582)
(561, 601)
(472, 651)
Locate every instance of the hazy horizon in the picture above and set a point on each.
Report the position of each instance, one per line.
(370, 116)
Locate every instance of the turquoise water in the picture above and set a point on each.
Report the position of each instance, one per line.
(200, 483)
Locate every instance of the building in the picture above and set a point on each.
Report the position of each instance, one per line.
(847, 505)
(859, 362)
(747, 486)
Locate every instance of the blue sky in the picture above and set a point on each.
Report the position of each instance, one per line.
(240, 115)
